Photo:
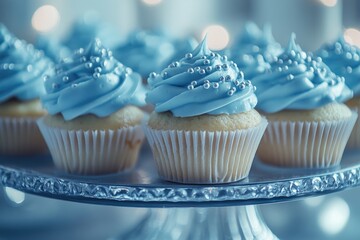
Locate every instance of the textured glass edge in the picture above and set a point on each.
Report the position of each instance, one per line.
(58, 187)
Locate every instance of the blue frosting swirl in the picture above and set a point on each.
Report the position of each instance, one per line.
(299, 81)
(92, 82)
(203, 82)
(344, 60)
(21, 68)
(254, 50)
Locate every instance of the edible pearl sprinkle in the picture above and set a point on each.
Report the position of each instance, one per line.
(29, 68)
(88, 65)
(349, 69)
(96, 75)
(241, 74)
(117, 70)
(231, 92)
(206, 62)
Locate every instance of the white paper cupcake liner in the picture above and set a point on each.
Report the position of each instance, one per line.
(204, 157)
(93, 152)
(354, 140)
(305, 144)
(20, 136)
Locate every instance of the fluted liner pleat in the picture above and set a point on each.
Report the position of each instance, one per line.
(20, 136)
(354, 140)
(204, 157)
(305, 144)
(93, 152)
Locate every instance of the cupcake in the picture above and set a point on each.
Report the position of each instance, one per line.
(308, 125)
(204, 129)
(344, 60)
(94, 125)
(21, 85)
(254, 49)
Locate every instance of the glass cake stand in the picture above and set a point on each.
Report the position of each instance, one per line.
(179, 211)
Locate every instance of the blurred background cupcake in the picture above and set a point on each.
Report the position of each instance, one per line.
(302, 99)
(151, 51)
(93, 126)
(21, 84)
(254, 50)
(344, 60)
(88, 27)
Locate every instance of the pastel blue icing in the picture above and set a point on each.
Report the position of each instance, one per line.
(21, 68)
(92, 81)
(203, 82)
(344, 60)
(254, 50)
(299, 81)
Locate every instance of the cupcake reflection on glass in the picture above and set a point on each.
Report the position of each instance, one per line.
(344, 60)
(21, 84)
(204, 129)
(93, 126)
(302, 99)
